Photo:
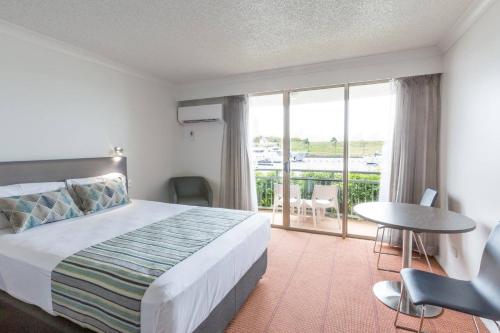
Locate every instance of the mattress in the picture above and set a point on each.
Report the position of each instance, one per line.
(178, 301)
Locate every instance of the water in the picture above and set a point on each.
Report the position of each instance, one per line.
(371, 164)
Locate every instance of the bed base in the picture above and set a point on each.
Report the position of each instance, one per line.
(19, 317)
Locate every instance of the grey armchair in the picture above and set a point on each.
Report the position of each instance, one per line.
(193, 191)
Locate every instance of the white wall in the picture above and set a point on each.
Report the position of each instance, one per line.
(199, 148)
(56, 104)
(471, 140)
(200, 154)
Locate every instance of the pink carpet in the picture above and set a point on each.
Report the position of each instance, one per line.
(318, 283)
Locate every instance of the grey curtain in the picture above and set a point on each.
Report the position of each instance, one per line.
(415, 153)
(237, 184)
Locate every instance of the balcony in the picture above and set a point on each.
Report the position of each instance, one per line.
(363, 186)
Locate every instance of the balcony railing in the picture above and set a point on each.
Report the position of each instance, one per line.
(363, 186)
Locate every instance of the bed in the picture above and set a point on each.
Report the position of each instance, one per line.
(200, 294)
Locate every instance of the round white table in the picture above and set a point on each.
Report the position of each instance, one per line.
(410, 218)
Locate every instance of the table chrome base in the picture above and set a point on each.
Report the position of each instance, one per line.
(388, 292)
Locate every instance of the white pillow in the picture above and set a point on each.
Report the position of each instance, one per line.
(23, 189)
(91, 180)
(97, 179)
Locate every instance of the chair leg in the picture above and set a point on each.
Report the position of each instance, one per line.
(399, 308)
(338, 216)
(314, 216)
(274, 211)
(380, 254)
(421, 319)
(380, 248)
(425, 252)
(422, 315)
(376, 238)
(319, 215)
(475, 324)
(418, 244)
(382, 240)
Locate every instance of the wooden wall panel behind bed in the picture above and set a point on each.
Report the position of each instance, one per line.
(59, 170)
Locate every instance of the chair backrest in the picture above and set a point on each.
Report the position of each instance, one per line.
(428, 198)
(190, 186)
(294, 191)
(325, 192)
(488, 279)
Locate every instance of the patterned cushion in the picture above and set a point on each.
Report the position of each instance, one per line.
(98, 196)
(31, 210)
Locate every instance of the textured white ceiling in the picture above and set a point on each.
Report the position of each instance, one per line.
(188, 40)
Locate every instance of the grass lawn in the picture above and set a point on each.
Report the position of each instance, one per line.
(328, 149)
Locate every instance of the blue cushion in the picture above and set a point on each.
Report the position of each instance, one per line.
(28, 211)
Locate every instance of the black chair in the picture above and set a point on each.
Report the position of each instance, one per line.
(479, 297)
(193, 191)
(428, 199)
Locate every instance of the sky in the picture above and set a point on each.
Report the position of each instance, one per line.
(319, 114)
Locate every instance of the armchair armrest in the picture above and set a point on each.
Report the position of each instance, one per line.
(209, 192)
(172, 194)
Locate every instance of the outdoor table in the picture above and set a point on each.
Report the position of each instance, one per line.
(410, 218)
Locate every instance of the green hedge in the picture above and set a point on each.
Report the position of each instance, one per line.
(362, 187)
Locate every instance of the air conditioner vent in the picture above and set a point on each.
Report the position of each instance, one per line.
(200, 114)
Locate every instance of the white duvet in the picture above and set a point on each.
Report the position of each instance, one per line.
(178, 301)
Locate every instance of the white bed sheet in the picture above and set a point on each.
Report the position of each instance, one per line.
(178, 301)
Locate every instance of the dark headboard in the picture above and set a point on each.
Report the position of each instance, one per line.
(59, 170)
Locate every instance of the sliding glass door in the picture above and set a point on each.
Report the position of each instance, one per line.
(317, 159)
(318, 152)
(266, 135)
(370, 135)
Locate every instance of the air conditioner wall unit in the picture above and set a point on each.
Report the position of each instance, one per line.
(199, 114)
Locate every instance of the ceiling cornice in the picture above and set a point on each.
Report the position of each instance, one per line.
(374, 59)
(63, 47)
(475, 10)
(420, 61)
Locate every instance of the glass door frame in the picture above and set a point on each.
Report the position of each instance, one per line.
(286, 158)
(286, 162)
(346, 156)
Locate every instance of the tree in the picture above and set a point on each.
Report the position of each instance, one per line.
(307, 143)
(334, 142)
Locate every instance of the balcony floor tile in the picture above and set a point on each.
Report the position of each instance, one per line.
(327, 223)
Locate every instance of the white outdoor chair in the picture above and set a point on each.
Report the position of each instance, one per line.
(295, 200)
(323, 197)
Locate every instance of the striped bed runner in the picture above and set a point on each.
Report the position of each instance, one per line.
(101, 287)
